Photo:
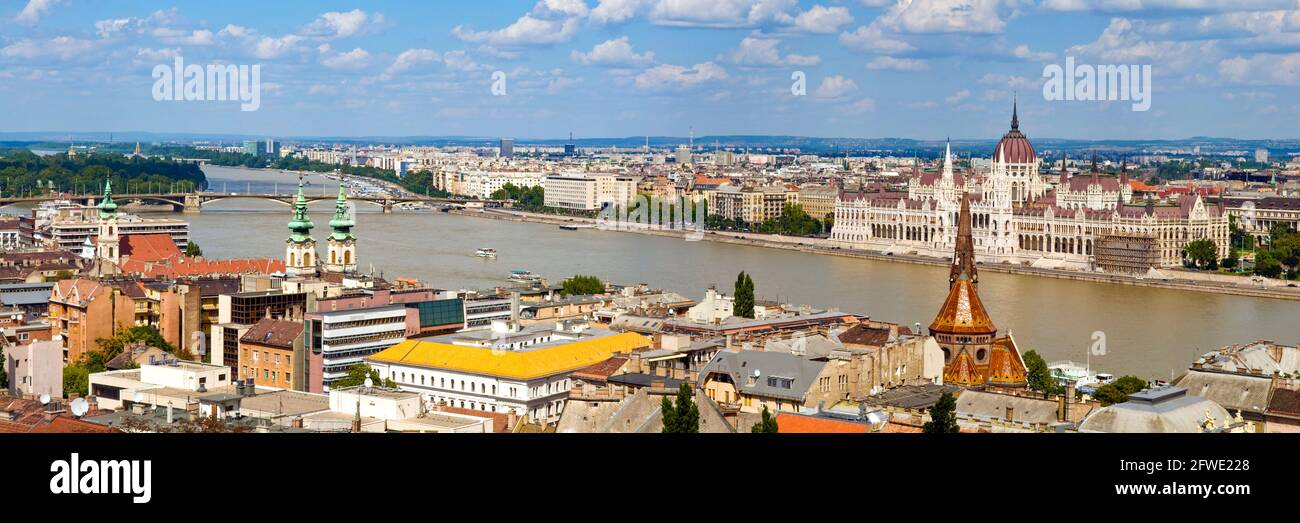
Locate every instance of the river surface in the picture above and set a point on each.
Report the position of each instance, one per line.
(1148, 331)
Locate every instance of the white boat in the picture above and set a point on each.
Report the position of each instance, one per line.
(1067, 371)
(486, 253)
(522, 276)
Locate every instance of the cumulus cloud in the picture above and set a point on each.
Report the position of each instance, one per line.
(823, 20)
(412, 58)
(873, 40)
(61, 47)
(864, 105)
(1262, 69)
(834, 87)
(616, 53)
(527, 30)
(335, 24)
(764, 52)
(958, 96)
(1024, 53)
(35, 10)
(675, 76)
(357, 58)
(945, 16)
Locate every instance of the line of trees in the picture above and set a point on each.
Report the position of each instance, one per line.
(532, 199)
(23, 172)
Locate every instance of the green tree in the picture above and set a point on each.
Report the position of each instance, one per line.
(1202, 252)
(767, 425)
(76, 378)
(1129, 384)
(193, 250)
(1266, 265)
(109, 348)
(743, 297)
(1233, 259)
(683, 417)
(357, 375)
(1040, 377)
(1109, 394)
(582, 285)
(943, 416)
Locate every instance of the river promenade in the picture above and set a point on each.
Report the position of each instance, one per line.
(1178, 279)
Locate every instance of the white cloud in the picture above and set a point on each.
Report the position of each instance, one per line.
(833, 87)
(764, 52)
(527, 30)
(357, 58)
(945, 16)
(958, 96)
(461, 61)
(615, 11)
(897, 64)
(575, 8)
(35, 10)
(822, 19)
(871, 39)
(1121, 43)
(1262, 69)
(617, 52)
(335, 24)
(411, 58)
(157, 55)
(268, 48)
(1157, 6)
(676, 76)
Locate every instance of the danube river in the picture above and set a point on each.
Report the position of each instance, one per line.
(1150, 332)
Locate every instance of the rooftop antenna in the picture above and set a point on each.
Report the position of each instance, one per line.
(80, 407)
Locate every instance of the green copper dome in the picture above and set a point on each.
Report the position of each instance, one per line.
(342, 223)
(301, 225)
(108, 207)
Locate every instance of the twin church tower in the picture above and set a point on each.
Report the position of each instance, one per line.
(341, 246)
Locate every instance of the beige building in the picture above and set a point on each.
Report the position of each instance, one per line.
(818, 200)
(588, 192)
(750, 204)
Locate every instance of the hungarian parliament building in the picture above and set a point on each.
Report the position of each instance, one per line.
(1084, 221)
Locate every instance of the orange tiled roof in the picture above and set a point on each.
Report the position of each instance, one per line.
(1006, 368)
(963, 371)
(149, 247)
(796, 424)
(963, 312)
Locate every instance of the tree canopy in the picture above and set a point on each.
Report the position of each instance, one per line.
(582, 285)
(683, 416)
(357, 375)
(743, 297)
(1040, 377)
(943, 416)
(767, 425)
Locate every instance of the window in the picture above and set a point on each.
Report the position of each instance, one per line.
(286, 378)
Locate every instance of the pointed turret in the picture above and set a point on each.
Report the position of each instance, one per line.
(1015, 113)
(1095, 171)
(963, 259)
(341, 245)
(300, 248)
(107, 207)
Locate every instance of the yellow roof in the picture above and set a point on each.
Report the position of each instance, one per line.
(527, 364)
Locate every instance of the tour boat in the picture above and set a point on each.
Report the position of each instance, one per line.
(486, 253)
(522, 276)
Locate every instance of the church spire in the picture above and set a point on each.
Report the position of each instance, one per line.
(301, 225)
(1015, 117)
(342, 222)
(963, 260)
(108, 208)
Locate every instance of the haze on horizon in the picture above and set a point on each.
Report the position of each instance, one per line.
(921, 69)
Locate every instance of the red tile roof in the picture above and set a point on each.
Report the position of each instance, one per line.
(273, 333)
(787, 423)
(151, 248)
(500, 421)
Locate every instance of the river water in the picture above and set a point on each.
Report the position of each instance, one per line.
(1149, 332)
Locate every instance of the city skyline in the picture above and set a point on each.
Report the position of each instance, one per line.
(619, 68)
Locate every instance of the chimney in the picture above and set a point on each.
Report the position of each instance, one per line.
(356, 425)
(1011, 414)
(295, 423)
(512, 420)
(170, 417)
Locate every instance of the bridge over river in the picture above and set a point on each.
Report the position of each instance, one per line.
(193, 202)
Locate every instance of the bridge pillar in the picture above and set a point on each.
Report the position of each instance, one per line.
(193, 204)
(388, 206)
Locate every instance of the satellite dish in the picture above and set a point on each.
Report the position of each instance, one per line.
(79, 407)
(138, 397)
(45, 399)
(370, 383)
(757, 373)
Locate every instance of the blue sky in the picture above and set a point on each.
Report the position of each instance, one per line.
(612, 68)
